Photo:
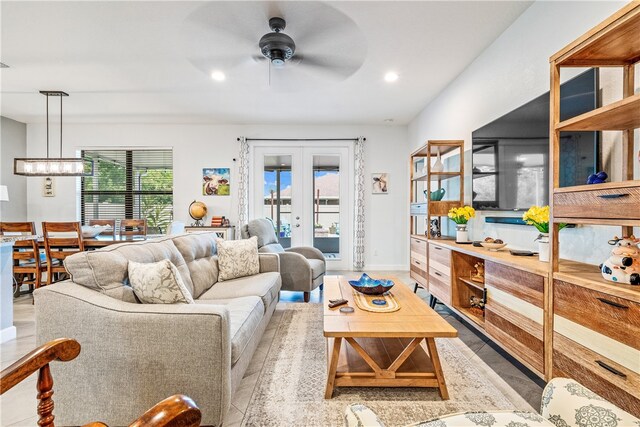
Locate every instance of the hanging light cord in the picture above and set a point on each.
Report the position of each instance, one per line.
(60, 126)
(47, 126)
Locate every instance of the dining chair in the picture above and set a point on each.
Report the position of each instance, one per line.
(110, 222)
(27, 265)
(133, 227)
(59, 246)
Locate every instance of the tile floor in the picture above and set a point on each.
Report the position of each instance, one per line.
(18, 406)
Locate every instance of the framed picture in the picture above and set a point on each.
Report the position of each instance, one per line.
(379, 183)
(215, 181)
(48, 187)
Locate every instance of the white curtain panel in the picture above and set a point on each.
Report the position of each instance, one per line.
(358, 241)
(243, 185)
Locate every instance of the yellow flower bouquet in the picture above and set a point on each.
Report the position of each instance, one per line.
(462, 215)
(538, 216)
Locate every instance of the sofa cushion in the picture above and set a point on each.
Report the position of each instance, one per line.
(158, 283)
(199, 252)
(237, 258)
(317, 267)
(263, 229)
(273, 248)
(263, 285)
(105, 270)
(245, 314)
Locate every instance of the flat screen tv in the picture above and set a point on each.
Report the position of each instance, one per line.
(511, 154)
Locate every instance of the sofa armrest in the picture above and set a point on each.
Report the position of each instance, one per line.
(307, 252)
(565, 400)
(296, 272)
(134, 354)
(269, 263)
(358, 415)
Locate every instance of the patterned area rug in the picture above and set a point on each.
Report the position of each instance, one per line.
(290, 391)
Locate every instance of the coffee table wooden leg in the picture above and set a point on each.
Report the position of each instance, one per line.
(333, 367)
(435, 360)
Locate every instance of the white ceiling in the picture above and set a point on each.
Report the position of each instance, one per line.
(148, 62)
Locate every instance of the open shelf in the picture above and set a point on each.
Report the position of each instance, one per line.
(589, 276)
(471, 315)
(590, 187)
(435, 148)
(470, 282)
(439, 175)
(613, 42)
(619, 115)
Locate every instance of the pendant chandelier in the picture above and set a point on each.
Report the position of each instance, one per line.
(53, 166)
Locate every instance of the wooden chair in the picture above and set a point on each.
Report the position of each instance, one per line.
(58, 248)
(27, 267)
(133, 227)
(109, 222)
(175, 411)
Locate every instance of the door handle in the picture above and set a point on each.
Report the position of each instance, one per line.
(297, 225)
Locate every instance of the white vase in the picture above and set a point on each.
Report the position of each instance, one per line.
(543, 247)
(437, 166)
(462, 235)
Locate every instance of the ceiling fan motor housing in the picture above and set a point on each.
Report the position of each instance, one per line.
(277, 46)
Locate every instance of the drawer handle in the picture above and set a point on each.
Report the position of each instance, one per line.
(610, 369)
(611, 303)
(613, 196)
(417, 262)
(437, 274)
(436, 247)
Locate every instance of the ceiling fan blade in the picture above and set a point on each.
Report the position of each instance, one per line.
(335, 66)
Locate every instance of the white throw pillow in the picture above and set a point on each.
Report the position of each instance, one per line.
(158, 283)
(237, 258)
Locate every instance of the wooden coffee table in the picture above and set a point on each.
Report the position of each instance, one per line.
(384, 349)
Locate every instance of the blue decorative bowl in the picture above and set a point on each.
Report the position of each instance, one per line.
(369, 286)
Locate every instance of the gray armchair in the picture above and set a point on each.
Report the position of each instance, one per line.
(302, 268)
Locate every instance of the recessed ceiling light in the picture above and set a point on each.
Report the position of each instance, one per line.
(391, 76)
(388, 120)
(218, 76)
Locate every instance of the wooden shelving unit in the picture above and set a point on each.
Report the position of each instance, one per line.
(574, 285)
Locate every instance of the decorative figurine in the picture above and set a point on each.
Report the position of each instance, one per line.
(623, 266)
(434, 228)
(597, 178)
(476, 302)
(478, 276)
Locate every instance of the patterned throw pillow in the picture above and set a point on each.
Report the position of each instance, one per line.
(158, 283)
(237, 258)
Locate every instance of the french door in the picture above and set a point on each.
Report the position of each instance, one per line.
(306, 192)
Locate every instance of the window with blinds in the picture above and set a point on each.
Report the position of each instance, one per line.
(129, 184)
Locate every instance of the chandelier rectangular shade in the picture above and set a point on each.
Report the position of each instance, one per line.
(53, 167)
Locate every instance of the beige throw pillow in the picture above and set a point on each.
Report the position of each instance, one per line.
(158, 283)
(237, 258)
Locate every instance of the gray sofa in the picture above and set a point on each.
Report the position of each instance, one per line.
(134, 355)
(302, 268)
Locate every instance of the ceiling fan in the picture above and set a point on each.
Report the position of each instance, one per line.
(229, 36)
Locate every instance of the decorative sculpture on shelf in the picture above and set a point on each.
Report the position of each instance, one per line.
(623, 266)
(434, 228)
(476, 302)
(597, 178)
(478, 276)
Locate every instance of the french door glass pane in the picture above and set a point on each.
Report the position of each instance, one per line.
(326, 205)
(277, 195)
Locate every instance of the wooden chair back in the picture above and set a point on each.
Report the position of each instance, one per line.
(58, 248)
(174, 411)
(133, 227)
(27, 267)
(109, 222)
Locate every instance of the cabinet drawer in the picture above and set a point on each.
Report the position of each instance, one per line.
(419, 250)
(522, 284)
(440, 285)
(418, 272)
(612, 316)
(607, 203)
(610, 380)
(520, 335)
(440, 259)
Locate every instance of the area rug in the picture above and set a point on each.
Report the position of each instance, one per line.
(290, 389)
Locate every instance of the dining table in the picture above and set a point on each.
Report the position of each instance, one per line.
(101, 241)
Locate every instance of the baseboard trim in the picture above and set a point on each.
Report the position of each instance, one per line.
(7, 334)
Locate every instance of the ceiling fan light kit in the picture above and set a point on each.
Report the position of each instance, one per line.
(277, 46)
(53, 166)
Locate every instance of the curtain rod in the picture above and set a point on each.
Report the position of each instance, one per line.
(302, 139)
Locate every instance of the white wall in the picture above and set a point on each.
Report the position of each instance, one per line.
(199, 146)
(13, 143)
(509, 73)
